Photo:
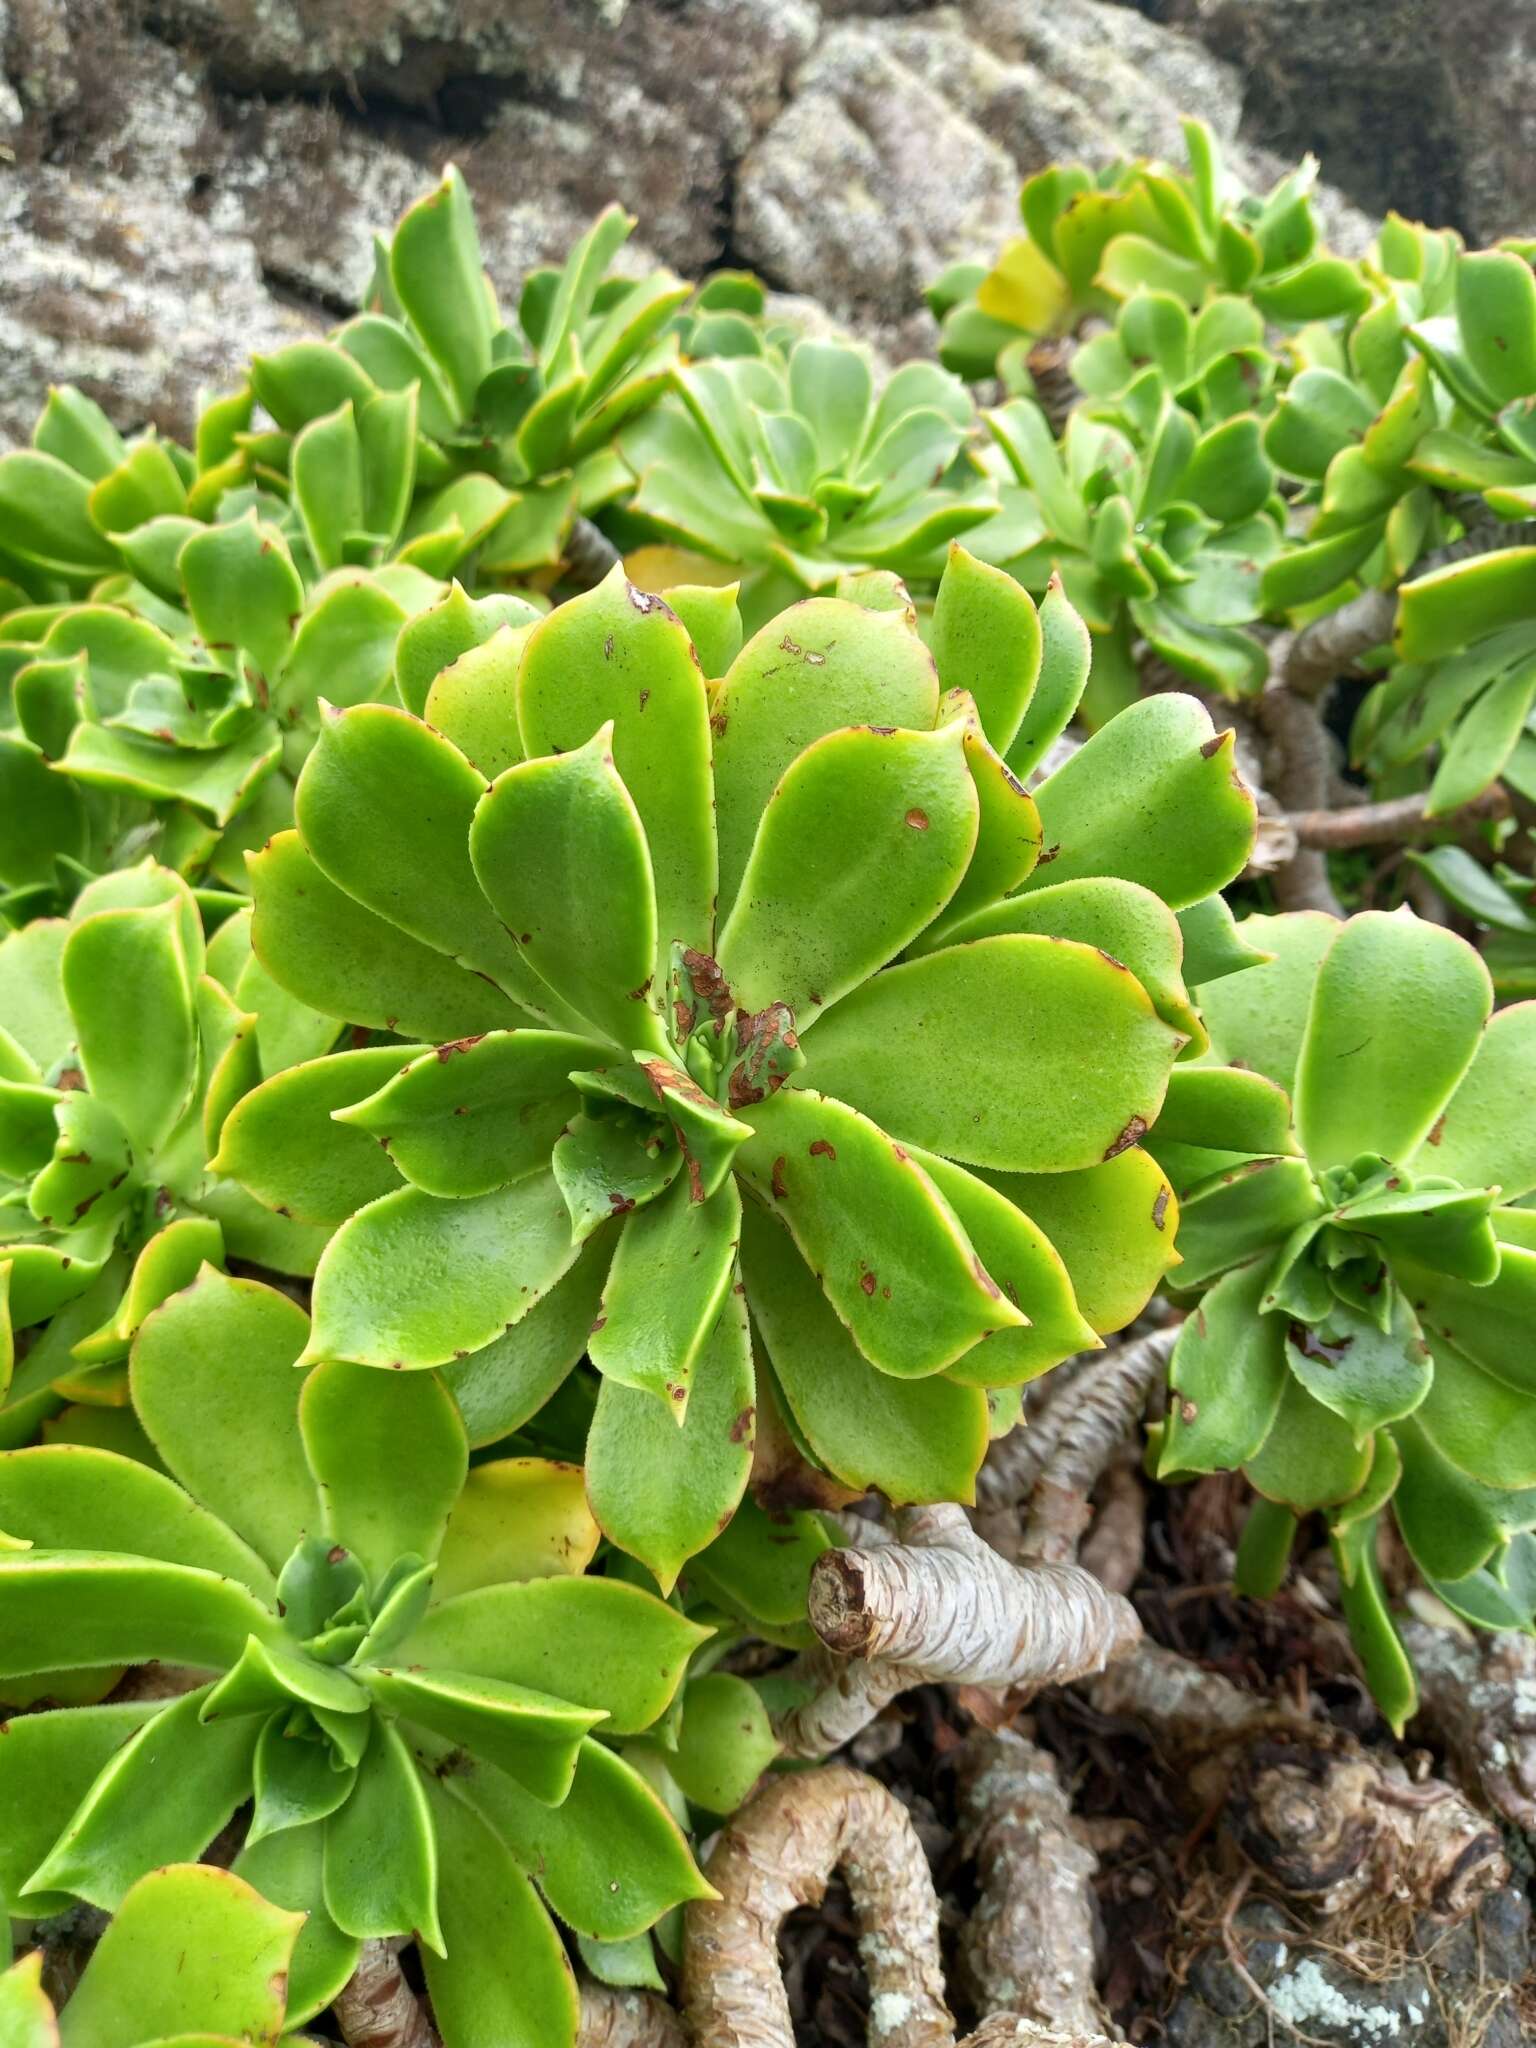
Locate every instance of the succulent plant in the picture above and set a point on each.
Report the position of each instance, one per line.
(193, 1954)
(648, 924)
(1092, 240)
(408, 1667)
(126, 1037)
(791, 465)
(1347, 423)
(1366, 1274)
(1214, 361)
(1157, 531)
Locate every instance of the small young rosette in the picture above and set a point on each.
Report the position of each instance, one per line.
(1369, 1272)
(779, 1045)
(125, 1039)
(397, 1660)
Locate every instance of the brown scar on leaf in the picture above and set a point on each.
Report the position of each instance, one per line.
(1160, 1208)
(1214, 744)
(1188, 1410)
(608, 648)
(1437, 1131)
(638, 995)
(985, 1278)
(1048, 854)
(917, 819)
(1133, 1133)
(450, 1046)
(741, 1428)
(868, 1282)
(776, 1179)
(621, 1204)
(823, 1148)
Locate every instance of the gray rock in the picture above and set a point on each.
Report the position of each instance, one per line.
(1411, 103)
(902, 147)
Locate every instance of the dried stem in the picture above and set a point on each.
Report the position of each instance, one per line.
(939, 1605)
(1028, 1946)
(778, 1853)
(376, 2008)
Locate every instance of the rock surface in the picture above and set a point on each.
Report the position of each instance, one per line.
(183, 184)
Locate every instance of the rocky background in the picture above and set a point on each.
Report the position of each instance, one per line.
(183, 181)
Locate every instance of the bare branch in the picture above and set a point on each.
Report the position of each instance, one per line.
(1386, 824)
(376, 2008)
(1107, 1403)
(1300, 778)
(1479, 1695)
(778, 1853)
(939, 1605)
(627, 2019)
(1028, 1945)
(1322, 652)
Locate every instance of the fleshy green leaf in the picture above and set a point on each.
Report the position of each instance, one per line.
(381, 1861)
(213, 1383)
(337, 956)
(530, 1735)
(71, 1497)
(596, 1642)
(725, 1744)
(476, 1113)
(1227, 1378)
(663, 1297)
(820, 666)
(385, 804)
(516, 1518)
(1112, 1225)
(891, 1255)
(160, 1799)
(388, 1458)
(1363, 1373)
(616, 654)
(190, 1949)
(1486, 1137)
(243, 592)
(1154, 797)
(560, 851)
(1311, 1457)
(982, 1052)
(986, 639)
(413, 1281)
(504, 1978)
(1396, 1016)
(917, 1440)
(283, 1143)
(860, 846)
(662, 1492)
(130, 967)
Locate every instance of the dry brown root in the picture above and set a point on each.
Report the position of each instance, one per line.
(1479, 1695)
(376, 2008)
(627, 2019)
(939, 1606)
(1106, 1404)
(778, 1853)
(1321, 1817)
(1028, 1945)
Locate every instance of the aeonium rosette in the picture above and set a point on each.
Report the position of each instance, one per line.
(780, 1045)
(1369, 1274)
(402, 1664)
